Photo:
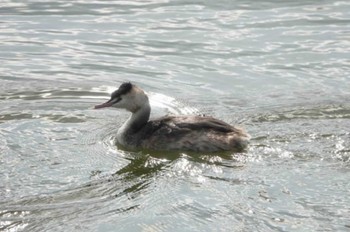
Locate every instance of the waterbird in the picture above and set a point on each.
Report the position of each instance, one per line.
(172, 132)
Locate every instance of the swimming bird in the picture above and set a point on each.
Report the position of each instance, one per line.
(170, 133)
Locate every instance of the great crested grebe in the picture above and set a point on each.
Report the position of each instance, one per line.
(169, 133)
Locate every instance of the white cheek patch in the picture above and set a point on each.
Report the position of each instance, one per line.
(116, 100)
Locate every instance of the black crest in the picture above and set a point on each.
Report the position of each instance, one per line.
(123, 89)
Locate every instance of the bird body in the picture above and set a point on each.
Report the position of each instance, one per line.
(171, 133)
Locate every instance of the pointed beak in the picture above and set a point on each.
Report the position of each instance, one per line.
(103, 105)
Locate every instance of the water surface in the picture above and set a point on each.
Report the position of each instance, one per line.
(278, 68)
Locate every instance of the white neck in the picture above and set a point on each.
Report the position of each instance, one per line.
(136, 121)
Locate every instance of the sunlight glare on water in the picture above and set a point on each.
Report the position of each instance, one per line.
(279, 69)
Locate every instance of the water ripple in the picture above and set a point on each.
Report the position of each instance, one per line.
(278, 67)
